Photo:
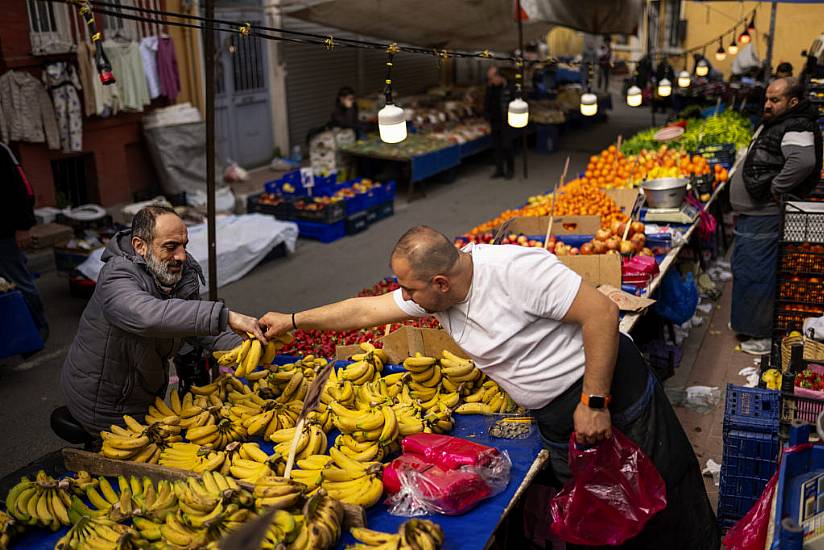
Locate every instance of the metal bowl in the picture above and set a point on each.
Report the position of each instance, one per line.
(665, 192)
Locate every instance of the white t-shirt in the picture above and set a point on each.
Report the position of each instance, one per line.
(510, 323)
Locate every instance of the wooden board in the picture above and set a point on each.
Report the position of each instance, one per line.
(99, 465)
(406, 341)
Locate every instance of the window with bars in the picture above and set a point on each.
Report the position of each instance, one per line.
(49, 28)
(247, 65)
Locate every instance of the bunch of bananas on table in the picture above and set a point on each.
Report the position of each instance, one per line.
(489, 398)
(192, 457)
(250, 354)
(321, 524)
(309, 469)
(43, 501)
(99, 533)
(8, 528)
(140, 442)
(366, 367)
(248, 462)
(131, 497)
(352, 481)
(415, 534)
(278, 492)
(311, 441)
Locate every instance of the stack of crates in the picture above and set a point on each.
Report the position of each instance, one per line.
(751, 420)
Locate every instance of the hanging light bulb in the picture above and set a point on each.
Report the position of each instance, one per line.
(720, 53)
(518, 113)
(702, 68)
(665, 88)
(744, 38)
(634, 97)
(391, 119)
(589, 104)
(751, 26)
(684, 79)
(732, 49)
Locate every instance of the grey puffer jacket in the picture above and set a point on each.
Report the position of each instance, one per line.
(131, 328)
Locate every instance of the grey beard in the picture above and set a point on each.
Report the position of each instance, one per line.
(161, 270)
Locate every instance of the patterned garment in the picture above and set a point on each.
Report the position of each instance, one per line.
(62, 81)
(26, 112)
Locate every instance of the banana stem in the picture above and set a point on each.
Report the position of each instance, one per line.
(290, 460)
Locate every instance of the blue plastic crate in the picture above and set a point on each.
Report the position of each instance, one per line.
(750, 454)
(752, 409)
(737, 494)
(389, 189)
(323, 232)
(357, 223)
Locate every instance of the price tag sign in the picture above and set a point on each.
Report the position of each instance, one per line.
(307, 179)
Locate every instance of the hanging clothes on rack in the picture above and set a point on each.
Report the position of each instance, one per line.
(99, 100)
(61, 80)
(26, 112)
(167, 68)
(127, 68)
(148, 53)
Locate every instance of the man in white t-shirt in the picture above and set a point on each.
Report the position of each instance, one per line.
(552, 342)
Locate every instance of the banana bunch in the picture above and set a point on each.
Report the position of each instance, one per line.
(489, 398)
(7, 529)
(459, 374)
(287, 383)
(210, 502)
(414, 534)
(218, 388)
(176, 535)
(283, 531)
(425, 376)
(138, 442)
(378, 426)
(309, 471)
(439, 418)
(312, 441)
(342, 391)
(250, 354)
(44, 501)
(372, 394)
(277, 492)
(410, 419)
(217, 435)
(271, 417)
(99, 533)
(129, 499)
(367, 366)
(351, 481)
(392, 384)
(250, 463)
(192, 457)
(321, 525)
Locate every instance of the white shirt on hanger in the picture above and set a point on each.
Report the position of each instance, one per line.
(148, 53)
(510, 323)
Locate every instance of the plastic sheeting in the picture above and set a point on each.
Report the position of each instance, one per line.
(468, 24)
(242, 242)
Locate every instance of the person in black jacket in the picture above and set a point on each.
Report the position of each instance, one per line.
(16, 218)
(496, 108)
(345, 113)
(784, 158)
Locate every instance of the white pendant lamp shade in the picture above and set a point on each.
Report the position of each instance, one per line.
(589, 104)
(518, 113)
(702, 69)
(732, 49)
(684, 79)
(721, 54)
(744, 38)
(634, 97)
(665, 88)
(392, 124)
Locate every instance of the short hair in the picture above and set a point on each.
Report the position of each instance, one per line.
(784, 68)
(428, 251)
(143, 224)
(345, 91)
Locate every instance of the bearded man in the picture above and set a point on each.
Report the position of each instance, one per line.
(145, 306)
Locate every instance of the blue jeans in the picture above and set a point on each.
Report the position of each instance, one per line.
(754, 275)
(13, 269)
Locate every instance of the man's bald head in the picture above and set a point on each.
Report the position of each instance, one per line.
(782, 94)
(428, 252)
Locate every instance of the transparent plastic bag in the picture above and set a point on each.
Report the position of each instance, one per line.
(422, 488)
(615, 489)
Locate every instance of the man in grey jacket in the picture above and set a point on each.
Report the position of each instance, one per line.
(784, 158)
(145, 305)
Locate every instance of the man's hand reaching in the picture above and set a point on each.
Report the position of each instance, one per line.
(275, 324)
(245, 325)
(591, 425)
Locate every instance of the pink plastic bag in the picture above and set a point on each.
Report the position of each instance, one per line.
(615, 489)
(447, 451)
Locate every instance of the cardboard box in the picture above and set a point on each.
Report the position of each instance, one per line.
(600, 269)
(624, 198)
(50, 234)
(406, 341)
(563, 225)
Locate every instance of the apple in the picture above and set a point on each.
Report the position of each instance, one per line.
(512, 237)
(587, 249)
(638, 241)
(560, 251)
(523, 239)
(551, 247)
(574, 251)
(537, 244)
(613, 242)
(599, 247)
(603, 235)
(645, 252)
(637, 227)
(626, 248)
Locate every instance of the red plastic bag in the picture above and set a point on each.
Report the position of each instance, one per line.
(447, 451)
(750, 532)
(615, 489)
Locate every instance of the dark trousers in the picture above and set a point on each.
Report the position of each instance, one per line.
(754, 275)
(13, 268)
(642, 411)
(603, 77)
(504, 150)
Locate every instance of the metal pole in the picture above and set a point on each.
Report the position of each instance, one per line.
(770, 41)
(209, 55)
(523, 81)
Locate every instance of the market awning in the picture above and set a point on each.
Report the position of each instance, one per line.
(466, 24)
